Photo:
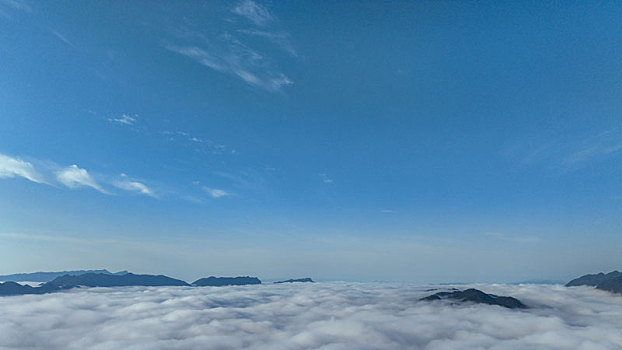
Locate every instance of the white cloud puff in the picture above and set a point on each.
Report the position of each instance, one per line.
(216, 193)
(75, 177)
(15, 167)
(327, 316)
(134, 186)
(326, 179)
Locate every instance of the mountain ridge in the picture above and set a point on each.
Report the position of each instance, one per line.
(610, 282)
(213, 281)
(479, 297)
(47, 276)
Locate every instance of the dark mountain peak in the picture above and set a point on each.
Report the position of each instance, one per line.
(477, 296)
(110, 280)
(306, 280)
(225, 281)
(14, 288)
(90, 280)
(613, 284)
(593, 279)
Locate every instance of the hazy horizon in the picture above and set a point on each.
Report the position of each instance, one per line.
(269, 279)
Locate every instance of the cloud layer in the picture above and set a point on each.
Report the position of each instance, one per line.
(327, 316)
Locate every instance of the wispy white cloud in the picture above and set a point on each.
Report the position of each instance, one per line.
(124, 119)
(232, 52)
(325, 178)
(216, 193)
(199, 144)
(10, 8)
(562, 156)
(601, 145)
(133, 186)
(16, 167)
(239, 60)
(282, 40)
(201, 56)
(72, 176)
(49, 238)
(63, 38)
(16, 5)
(513, 238)
(249, 181)
(75, 177)
(254, 12)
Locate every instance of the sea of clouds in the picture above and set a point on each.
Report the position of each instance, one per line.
(327, 316)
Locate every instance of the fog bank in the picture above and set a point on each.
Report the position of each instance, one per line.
(327, 316)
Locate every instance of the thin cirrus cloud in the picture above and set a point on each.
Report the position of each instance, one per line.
(279, 39)
(564, 156)
(254, 12)
(15, 5)
(11, 167)
(235, 55)
(326, 179)
(199, 144)
(63, 38)
(602, 145)
(216, 193)
(124, 119)
(512, 238)
(239, 60)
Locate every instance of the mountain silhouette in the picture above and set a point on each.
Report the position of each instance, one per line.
(613, 285)
(48, 276)
(225, 281)
(296, 280)
(593, 279)
(14, 288)
(107, 280)
(90, 280)
(610, 282)
(477, 296)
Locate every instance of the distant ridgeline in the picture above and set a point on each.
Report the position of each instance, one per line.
(225, 281)
(49, 276)
(611, 282)
(107, 279)
(296, 280)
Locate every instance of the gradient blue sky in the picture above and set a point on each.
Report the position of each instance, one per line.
(412, 141)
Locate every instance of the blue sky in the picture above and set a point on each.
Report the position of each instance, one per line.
(408, 141)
